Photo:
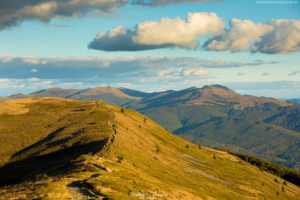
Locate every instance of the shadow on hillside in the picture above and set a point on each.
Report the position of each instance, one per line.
(42, 142)
(52, 164)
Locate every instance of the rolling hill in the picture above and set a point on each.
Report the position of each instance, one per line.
(295, 100)
(107, 94)
(5, 99)
(45, 142)
(213, 116)
(217, 117)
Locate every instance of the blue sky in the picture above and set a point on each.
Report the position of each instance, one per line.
(49, 48)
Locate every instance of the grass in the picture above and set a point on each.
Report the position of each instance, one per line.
(153, 160)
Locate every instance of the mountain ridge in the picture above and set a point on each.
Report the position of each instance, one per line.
(215, 115)
(131, 153)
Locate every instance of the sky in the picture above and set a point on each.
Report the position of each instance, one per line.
(252, 47)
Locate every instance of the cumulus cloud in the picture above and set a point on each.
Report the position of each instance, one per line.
(160, 34)
(33, 70)
(167, 2)
(294, 73)
(241, 73)
(273, 37)
(266, 74)
(238, 36)
(15, 11)
(284, 38)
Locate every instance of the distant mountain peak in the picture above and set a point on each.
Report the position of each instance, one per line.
(217, 86)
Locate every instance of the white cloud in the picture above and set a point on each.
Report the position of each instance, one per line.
(110, 67)
(195, 72)
(284, 38)
(273, 37)
(33, 80)
(160, 34)
(237, 38)
(241, 73)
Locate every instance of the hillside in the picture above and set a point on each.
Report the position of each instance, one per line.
(213, 116)
(5, 99)
(217, 117)
(136, 93)
(132, 157)
(295, 100)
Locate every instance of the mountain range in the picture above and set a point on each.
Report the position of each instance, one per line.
(213, 116)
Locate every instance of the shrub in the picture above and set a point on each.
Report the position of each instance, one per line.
(284, 183)
(187, 146)
(145, 120)
(263, 183)
(157, 148)
(276, 180)
(140, 126)
(120, 159)
(282, 188)
(41, 177)
(214, 156)
(261, 167)
(277, 193)
(199, 146)
(122, 110)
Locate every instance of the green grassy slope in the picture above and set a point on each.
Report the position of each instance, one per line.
(141, 158)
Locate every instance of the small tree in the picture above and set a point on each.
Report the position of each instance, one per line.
(214, 157)
(284, 183)
(187, 146)
(263, 183)
(122, 110)
(166, 128)
(282, 188)
(276, 180)
(199, 146)
(261, 167)
(277, 193)
(140, 126)
(145, 120)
